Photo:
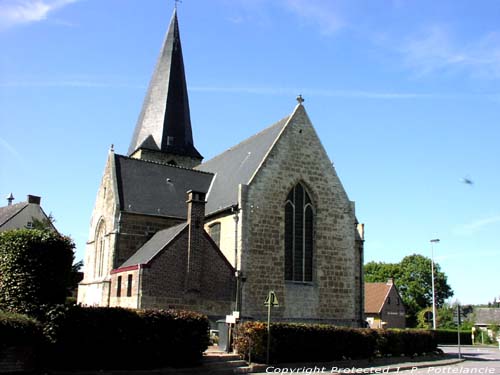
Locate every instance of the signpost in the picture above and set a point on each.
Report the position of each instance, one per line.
(458, 320)
(271, 301)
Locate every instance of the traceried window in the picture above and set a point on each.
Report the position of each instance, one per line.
(99, 250)
(299, 228)
(214, 231)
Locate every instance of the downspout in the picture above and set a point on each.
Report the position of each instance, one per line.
(139, 284)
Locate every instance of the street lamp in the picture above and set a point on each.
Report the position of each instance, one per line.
(433, 290)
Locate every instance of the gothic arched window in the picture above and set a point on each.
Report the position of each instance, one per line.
(99, 250)
(299, 228)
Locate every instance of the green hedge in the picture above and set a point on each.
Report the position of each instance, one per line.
(117, 338)
(450, 337)
(316, 342)
(19, 330)
(35, 266)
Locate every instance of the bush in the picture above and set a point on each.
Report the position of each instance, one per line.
(315, 342)
(449, 336)
(18, 330)
(121, 339)
(34, 269)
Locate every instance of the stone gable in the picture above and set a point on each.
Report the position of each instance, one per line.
(332, 296)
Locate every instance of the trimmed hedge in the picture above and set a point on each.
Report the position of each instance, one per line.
(20, 341)
(18, 330)
(35, 266)
(450, 337)
(317, 342)
(117, 338)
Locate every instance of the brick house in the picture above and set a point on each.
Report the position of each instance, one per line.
(384, 307)
(276, 214)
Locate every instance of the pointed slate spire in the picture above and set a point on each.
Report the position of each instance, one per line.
(164, 123)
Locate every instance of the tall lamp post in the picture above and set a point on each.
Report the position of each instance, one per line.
(433, 289)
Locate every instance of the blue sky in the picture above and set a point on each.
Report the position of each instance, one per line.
(404, 95)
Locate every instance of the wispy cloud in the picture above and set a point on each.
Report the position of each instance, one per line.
(18, 12)
(324, 14)
(436, 50)
(8, 148)
(476, 226)
(317, 92)
(68, 83)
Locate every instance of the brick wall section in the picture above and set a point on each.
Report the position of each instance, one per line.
(196, 214)
(333, 296)
(131, 302)
(135, 230)
(163, 283)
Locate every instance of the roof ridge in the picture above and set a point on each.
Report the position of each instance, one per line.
(246, 140)
(160, 163)
(15, 212)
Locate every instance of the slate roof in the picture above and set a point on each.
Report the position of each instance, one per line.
(375, 296)
(237, 165)
(486, 316)
(164, 123)
(8, 212)
(154, 245)
(156, 189)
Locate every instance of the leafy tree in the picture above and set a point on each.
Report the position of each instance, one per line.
(413, 278)
(35, 267)
(44, 224)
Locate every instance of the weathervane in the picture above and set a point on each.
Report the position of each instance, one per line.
(176, 3)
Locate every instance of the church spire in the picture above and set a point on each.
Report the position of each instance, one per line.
(164, 125)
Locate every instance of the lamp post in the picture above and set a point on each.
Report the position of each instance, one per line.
(433, 289)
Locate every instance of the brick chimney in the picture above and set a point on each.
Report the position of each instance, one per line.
(34, 199)
(195, 218)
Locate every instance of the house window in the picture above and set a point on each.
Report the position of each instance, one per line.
(388, 300)
(129, 286)
(398, 301)
(299, 229)
(119, 286)
(214, 231)
(29, 225)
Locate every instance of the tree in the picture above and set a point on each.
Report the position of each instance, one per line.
(35, 267)
(413, 278)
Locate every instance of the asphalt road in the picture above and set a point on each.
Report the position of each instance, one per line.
(478, 360)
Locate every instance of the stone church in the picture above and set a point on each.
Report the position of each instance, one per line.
(171, 231)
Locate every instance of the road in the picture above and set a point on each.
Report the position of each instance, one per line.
(479, 360)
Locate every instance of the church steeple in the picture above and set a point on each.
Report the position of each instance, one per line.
(163, 131)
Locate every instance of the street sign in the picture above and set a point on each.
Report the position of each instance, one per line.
(271, 300)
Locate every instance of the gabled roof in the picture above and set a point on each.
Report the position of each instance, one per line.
(165, 123)
(237, 165)
(486, 316)
(155, 244)
(375, 296)
(8, 212)
(152, 188)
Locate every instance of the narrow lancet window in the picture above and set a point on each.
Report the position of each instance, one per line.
(299, 229)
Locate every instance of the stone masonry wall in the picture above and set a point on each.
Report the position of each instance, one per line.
(93, 289)
(298, 156)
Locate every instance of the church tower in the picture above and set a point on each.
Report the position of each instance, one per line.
(163, 132)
